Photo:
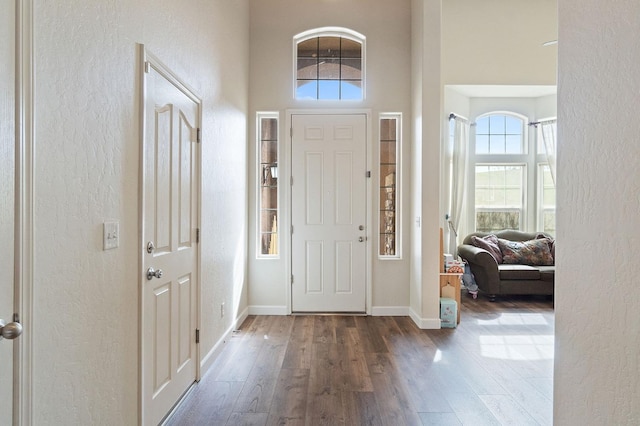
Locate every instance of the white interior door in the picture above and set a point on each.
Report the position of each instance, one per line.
(329, 198)
(169, 246)
(7, 202)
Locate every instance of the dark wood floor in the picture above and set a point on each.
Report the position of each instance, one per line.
(495, 368)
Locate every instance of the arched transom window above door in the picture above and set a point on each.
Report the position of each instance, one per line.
(329, 64)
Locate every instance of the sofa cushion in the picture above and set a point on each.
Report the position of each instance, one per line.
(547, 273)
(518, 272)
(490, 244)
(532, 252)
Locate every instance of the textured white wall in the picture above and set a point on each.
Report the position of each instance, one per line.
(87, 106)
(386, 25)
(597, 298)
(498, 41)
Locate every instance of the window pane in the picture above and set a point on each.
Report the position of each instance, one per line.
(269, 130)
(329, 47)
(498, 197)
(514, 125)
(269, 151)
(489, 221)
(351, 49)
(307, 89)
(514, 144)
(497, 124)
(351, 90)
(307, 68)
(482, 144)
(328, 89)
(308, 48)
(351, 69)
(387, 130)
(329, 69)
(496, 144)
(482, 126)
(387, 152)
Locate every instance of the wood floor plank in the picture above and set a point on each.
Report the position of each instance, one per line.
(248, 419)
(298, 354)
(439, 419)
(392, 395)
(290, 398)
(361, 409)
(507, 411)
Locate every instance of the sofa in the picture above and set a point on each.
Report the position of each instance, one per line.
(510, 262)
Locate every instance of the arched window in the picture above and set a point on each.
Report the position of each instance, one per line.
(329, 64)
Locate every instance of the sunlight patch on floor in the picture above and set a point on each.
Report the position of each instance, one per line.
(517, 347)
(516, 319)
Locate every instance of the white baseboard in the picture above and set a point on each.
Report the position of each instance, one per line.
(390, 311)
(267, 310)
(210, 357)
(425, 323)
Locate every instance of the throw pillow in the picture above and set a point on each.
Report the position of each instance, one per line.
(532, 252)
(552, 244)
(490, 244)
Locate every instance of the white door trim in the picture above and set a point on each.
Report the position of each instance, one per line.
(287, 198)
(148, 59)
(24, 218)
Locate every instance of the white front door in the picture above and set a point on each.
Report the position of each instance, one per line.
(171, 163)
(7, 202)
(328, 213)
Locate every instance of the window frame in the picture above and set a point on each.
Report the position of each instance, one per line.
(261, 115)
(398, 187)
(523, 196)
(329, 32)
(532, 157)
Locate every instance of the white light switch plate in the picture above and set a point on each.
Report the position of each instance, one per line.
(111, 238)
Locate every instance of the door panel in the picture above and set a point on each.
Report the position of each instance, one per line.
(7, 201)
(329, 196)
(170, 220)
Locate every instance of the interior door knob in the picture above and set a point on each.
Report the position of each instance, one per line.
(361, 239)
(11, 330)
(153, 273)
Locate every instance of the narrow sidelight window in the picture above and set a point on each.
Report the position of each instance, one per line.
(267, 175)
(389, 194)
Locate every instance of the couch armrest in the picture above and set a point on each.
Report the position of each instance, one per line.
(484, 267)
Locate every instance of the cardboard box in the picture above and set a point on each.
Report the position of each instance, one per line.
(448, 313)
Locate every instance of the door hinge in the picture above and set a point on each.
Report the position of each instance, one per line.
(197, 235)
(368, 173)
(291, 229)
(197, 335)
(291, 181)
(147, 67)
(198, 135)
(291, 279)
(291, 131)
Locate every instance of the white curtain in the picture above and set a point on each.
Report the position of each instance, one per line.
(459, 171)
(548, 131)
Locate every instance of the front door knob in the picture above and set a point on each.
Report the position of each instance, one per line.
(153, 273)
(11, 330)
